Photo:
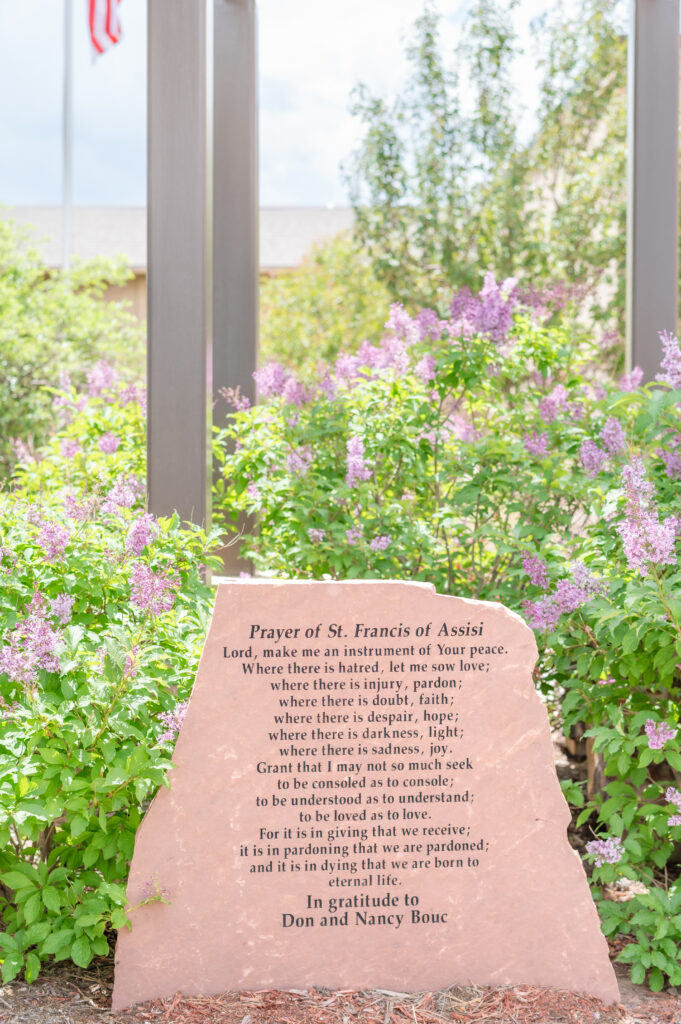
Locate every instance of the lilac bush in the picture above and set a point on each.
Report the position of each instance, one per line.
(103, 612)
(486, 452)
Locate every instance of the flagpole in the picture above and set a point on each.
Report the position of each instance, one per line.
(66, 144)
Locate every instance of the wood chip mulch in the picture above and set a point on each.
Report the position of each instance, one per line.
(65, 995)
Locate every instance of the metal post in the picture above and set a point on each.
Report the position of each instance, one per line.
(235, 209)
(178, 281)
(653, 186)
(235, 198)
(67, 177)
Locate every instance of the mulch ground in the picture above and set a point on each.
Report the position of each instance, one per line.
(63, 994)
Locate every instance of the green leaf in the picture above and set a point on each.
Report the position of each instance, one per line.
(81, 953)
(656, 980)
(15, 880)
(119, 918)
(11, 966)
(33, 908)
(57, 940)
(32, 968)
(637, 974)
(51, 899)
(37, 933)
(87, 920)
(78, 825)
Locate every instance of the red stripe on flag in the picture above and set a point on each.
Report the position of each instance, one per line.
(113, 32)
(104, 23)
(93, 34)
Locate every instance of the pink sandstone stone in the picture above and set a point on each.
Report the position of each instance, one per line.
(476, 771)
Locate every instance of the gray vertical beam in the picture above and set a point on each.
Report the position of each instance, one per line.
(235, 199)
(235, 210)
(653, 185)
(178, 282)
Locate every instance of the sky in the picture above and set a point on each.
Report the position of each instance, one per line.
(311, 54)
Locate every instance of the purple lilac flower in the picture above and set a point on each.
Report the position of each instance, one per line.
(327, 386)
(108, 443)
(612, 435)
(33, 645)
(380, 543)
(131, 667)
(299, 461)
(253, 494)
(592, 457)
(630, 381)
(270, 379)
(356, 467)
(425, 368)
(536, 569)
(401, 326)
(460, 426)
(101, 378)
(658, 733)
(606, 682)
(150, 591)
(568, 596)
(236, 399)
(141, 532)
(553, 403)
(69, 448)
(61, 607)
(293, 392)
(586, 581)
(606, 851)
(347, 367)
(671, 362)
(493, 314)
(316, 536)
(353, 535)
(172, 720)
(22, 451)
(125, 492)
(542, 614)
(152, 890)
(53, 539)
(80, 511)
(673, 796)
(672, 461)
(536, 444)
(429, 325)
(645, 539)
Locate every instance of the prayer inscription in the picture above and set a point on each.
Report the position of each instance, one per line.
(364, 797)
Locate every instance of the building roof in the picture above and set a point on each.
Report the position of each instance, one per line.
(287, 233)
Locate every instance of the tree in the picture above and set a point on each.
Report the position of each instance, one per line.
(443, 193)
(53, 324)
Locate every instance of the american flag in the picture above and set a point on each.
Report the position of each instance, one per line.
(104, 24)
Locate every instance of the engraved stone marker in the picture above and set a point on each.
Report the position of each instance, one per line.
(364, 797)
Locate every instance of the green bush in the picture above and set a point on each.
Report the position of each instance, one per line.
(482, 453)
(53, 323)
(103, 612)
(308, 315)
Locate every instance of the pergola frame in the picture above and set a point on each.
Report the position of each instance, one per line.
(202, 237)
(202, 230)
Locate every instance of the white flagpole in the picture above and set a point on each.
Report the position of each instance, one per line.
(66, 154)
